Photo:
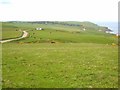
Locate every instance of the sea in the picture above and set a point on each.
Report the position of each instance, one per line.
(111, 25)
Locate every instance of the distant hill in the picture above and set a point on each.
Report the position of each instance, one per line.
(62, 32)
(85, 24)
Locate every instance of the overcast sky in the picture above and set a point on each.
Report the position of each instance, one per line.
(59, 10)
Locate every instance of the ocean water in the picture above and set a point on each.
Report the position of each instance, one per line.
(111, 25)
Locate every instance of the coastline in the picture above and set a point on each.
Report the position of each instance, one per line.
(111, 25)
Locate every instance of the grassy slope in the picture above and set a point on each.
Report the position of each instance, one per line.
(49, 35)
(0, 56)
(86, 61)
(63, 33)
(87, 25)
(60, 65)
(10, 31)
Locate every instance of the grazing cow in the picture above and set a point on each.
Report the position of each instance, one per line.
(52, 42)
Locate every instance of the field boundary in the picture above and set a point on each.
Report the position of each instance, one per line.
(24, 35)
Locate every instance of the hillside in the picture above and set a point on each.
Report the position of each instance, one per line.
(61, 55)
(70, 32)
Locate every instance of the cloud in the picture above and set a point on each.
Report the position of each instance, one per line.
(4, 2)
(59, 10)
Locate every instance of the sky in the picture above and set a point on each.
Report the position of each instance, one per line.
(59, 10)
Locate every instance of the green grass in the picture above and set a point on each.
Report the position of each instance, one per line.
(60, 65)
(49, 35)
(77, 59)
(9, 31)
(0, 57)
(0, 66)
(57, 33)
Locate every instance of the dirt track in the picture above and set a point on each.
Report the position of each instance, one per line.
(25, 34)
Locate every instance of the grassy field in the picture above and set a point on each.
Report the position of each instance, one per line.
(50, 35)
(0, 56)
(59, 33)
(9, 31)
(76, 59)
(60, 65)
